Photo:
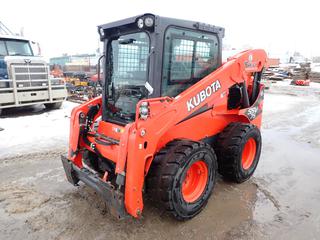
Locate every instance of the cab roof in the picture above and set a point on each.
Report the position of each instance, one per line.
(13, 37)
(132, 22)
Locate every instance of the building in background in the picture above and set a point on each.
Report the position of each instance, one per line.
(85, 63)
(273, 62)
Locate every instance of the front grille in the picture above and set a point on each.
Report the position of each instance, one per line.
(30, 75)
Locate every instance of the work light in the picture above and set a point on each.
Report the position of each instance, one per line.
(148, 21)
(101, 31)
(140, 23)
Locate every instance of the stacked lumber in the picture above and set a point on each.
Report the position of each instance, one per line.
(277, 74)
(301, 73)
(314, 77)
(267, 73)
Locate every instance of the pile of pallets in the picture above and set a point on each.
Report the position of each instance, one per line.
(314, 77)
(276, 74)
(301, 73)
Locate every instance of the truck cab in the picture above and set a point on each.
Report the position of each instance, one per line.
(24, 77)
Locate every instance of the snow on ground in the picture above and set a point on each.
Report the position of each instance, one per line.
(278, 103)
(300, 103)
(37, 132)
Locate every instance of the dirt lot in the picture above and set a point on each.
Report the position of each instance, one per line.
(281, 201)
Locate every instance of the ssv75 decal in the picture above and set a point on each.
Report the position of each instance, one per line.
(203, 95)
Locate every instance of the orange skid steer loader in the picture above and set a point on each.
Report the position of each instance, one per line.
(170, 118)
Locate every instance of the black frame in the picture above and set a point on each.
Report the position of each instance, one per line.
(156, 34)
(195, 40)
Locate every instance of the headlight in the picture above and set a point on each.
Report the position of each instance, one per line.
(140, 23)
(144, 110)
(144, 104)
(148, 21)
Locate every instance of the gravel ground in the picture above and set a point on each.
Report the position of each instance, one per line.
(281, 201)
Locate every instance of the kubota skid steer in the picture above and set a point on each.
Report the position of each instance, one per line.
(171, 116)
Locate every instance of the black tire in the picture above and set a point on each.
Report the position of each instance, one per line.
(229, 148)
(168, 171)
(55, 105)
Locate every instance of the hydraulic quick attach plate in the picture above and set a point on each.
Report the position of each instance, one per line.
(113, 197)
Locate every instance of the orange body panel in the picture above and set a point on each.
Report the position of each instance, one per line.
(172, 118)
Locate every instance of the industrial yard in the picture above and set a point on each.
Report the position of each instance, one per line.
(159, 120)
(280, 201)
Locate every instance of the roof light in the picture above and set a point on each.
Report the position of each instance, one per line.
(101, 31)
(140, 23)
(148, 21)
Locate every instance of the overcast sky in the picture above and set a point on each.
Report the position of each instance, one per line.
(69, 26)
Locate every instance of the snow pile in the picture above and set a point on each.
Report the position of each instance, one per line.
(47, 131)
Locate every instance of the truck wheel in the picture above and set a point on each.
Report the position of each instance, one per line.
(238, 150)
(182, 177)
(55, 105)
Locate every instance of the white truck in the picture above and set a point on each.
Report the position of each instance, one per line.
(25, 78)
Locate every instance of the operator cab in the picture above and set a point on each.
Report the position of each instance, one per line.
(149, 56)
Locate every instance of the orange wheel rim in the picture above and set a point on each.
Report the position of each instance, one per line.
(249, 153)
(195, 181)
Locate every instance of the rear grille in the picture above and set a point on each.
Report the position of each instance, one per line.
(30, 75)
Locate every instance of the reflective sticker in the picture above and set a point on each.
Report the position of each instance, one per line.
(149, 87)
